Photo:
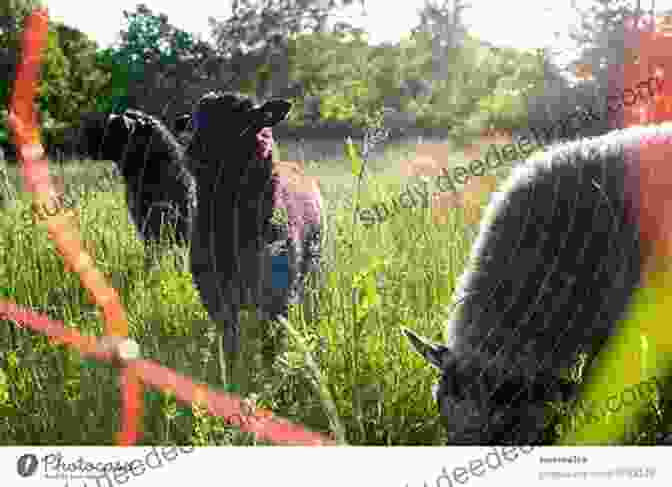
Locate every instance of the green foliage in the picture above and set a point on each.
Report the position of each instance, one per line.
(160, 68)
(504, 108)
(352, 154)
(354, 80)
(4, 128)
(114, 98)
(154, 66)
(336, 66)
(363, 376)
(70, 82)
(401, 272)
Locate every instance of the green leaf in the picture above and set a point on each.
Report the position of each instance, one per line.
(372, 296)
(88, 364)
(367, 291)
(369, 297)
(184, 411)
(4, 387)
(355, 160)
(152, 396)
(12, 360)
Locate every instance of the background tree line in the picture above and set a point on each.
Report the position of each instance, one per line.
(440, 78)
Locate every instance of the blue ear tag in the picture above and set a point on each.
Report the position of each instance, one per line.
(196, 124)
(280, 271)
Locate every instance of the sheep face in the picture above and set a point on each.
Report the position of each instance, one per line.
(465, 415)
(115, 137)
(557, 259)
(239, 118)
(477, 409)
(127, 134)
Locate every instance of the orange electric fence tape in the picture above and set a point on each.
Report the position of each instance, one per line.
(64, 231)
(35, 168)
(232, 408)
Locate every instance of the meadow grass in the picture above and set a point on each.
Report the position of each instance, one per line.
(398, 273)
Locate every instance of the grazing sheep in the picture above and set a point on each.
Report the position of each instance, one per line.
(557, 259)
(257, 233)
(159, 189)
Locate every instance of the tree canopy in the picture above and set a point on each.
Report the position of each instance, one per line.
(439, 75)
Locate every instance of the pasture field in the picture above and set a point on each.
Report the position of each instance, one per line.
(399, 273)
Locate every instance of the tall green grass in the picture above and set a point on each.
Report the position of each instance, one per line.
(401, 272)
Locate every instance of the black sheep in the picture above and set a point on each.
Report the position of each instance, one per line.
(257, 233)
(557, 259)
(159, 188)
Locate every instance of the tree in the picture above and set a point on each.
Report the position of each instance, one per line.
(342, 70)
(443, 22)
(69, 80)
(157, 67)
(84, 80)
(601, 37)
(255, 40)
(12, 15)
(440, 33)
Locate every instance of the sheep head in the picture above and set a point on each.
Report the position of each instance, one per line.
(478, 406)
(225, 123)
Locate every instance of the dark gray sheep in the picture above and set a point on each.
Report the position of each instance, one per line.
(557, 259)
(257, 233)
(159, 188)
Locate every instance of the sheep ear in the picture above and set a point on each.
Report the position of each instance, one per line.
(183, 123)
(438, 356)
(120, 120)
(272, 112)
